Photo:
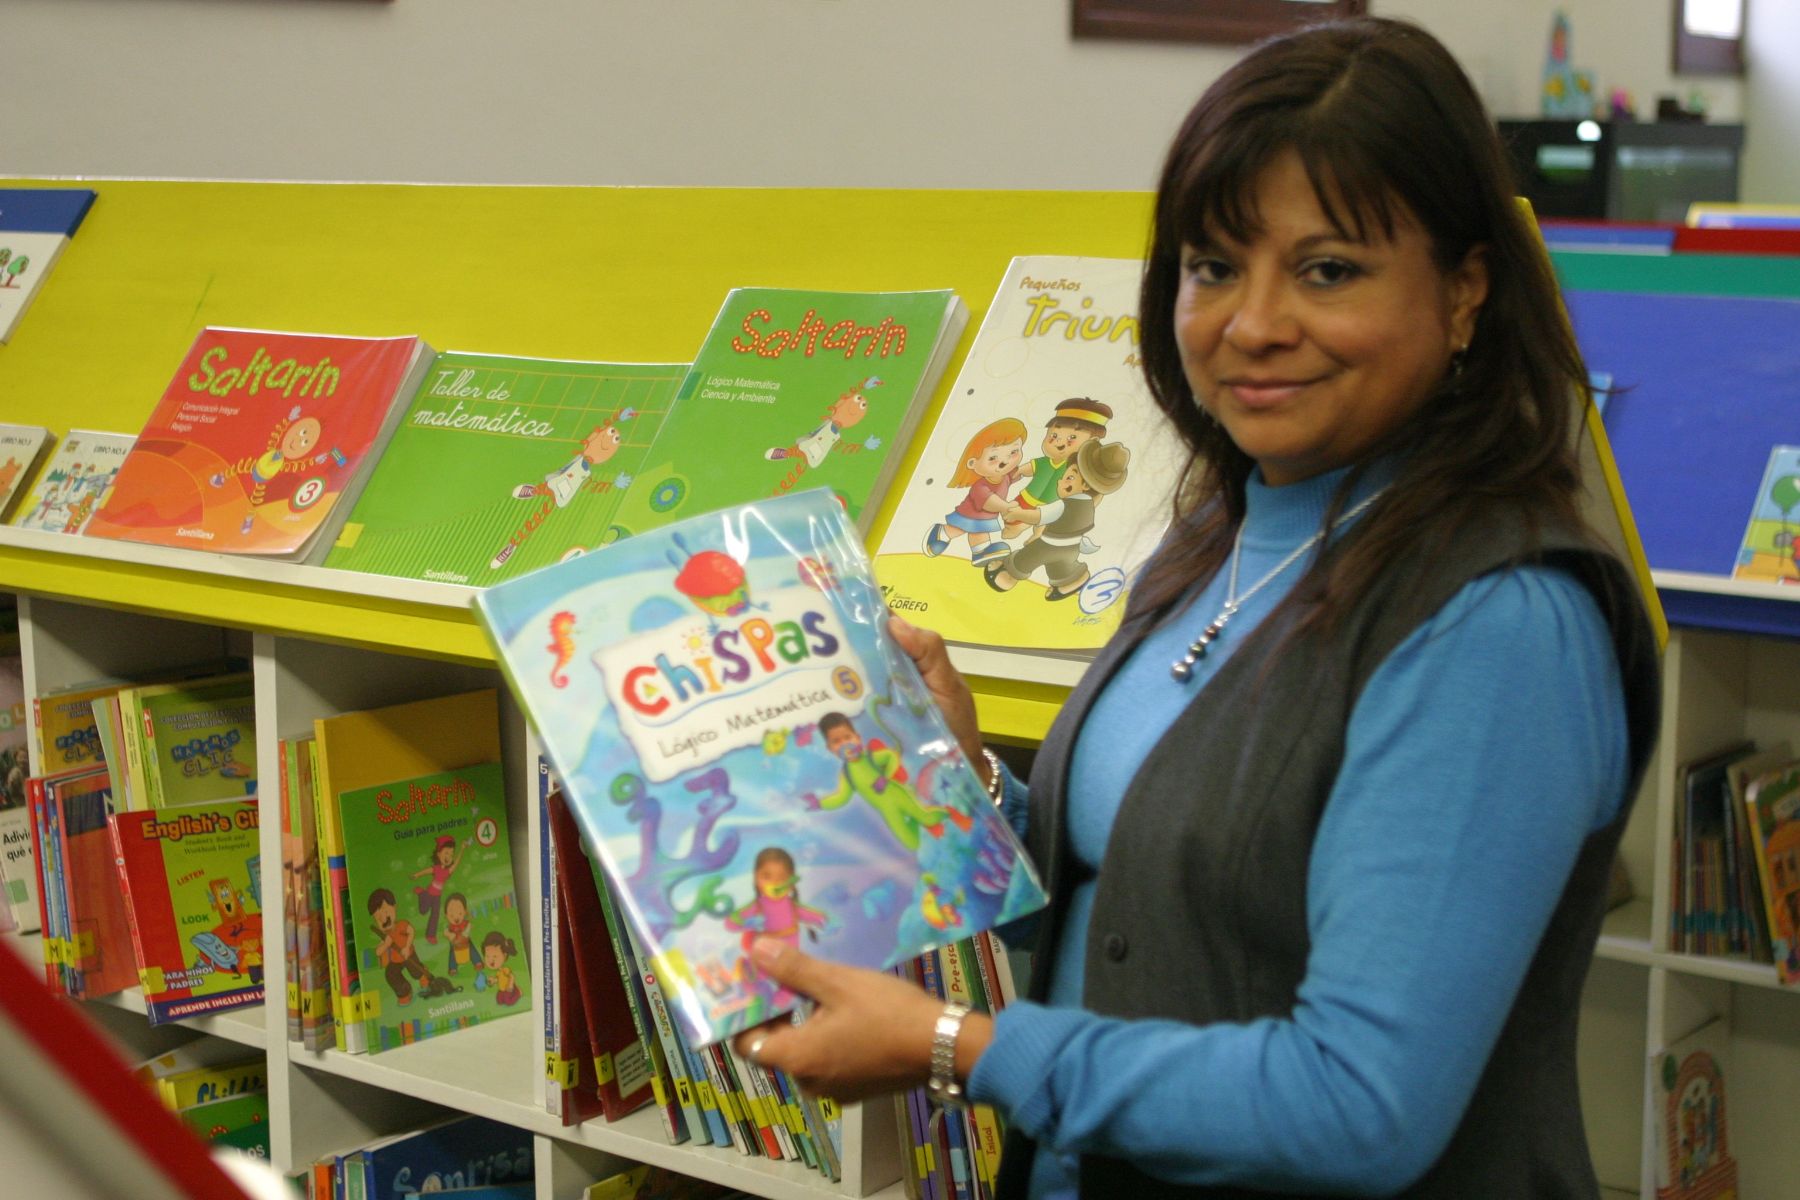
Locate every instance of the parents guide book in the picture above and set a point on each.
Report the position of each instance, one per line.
(261, 442)
(749, 753)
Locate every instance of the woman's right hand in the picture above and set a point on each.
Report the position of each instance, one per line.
(946, 685)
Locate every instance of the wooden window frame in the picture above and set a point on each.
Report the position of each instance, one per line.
(1226, 21)
(1696, 55)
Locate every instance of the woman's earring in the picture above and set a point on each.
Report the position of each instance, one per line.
(1456, 360)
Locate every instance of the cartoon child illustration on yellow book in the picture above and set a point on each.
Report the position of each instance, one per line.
(846, 411)
(875, 773)
(989, 465)
(563, 484)
(1072, 424)
(1057, 545)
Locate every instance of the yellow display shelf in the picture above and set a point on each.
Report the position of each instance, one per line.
(621, 274)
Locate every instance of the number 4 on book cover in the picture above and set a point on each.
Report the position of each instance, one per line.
(748, 753)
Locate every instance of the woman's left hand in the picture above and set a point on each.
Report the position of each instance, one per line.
(869, 1034)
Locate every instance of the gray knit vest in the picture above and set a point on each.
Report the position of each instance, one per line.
(1200, 911)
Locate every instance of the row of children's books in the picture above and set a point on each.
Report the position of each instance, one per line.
(465, 1158)
(218, 1091)
(1045, 477)
(1735, 859)
(401, 910)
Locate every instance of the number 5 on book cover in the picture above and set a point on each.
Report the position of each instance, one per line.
(750, 754)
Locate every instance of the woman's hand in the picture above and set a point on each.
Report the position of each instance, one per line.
(946, 685)
(869, 1034)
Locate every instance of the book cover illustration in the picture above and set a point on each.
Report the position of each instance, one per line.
(431, 884)
(816, 389)
(1045, 481)
(35, 225)
(1693, 1150)
(502, 465)
(257, 438)
(1768, 551)
(191, 896)
(748, 752)
(197, 739)
(20, 448)
(75, 482)
(464, 1152)
(1772, 807)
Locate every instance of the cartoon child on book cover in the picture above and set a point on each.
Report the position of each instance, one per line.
(1072, 424)
(563, 484)
(989, 465)
(1059, 543)
(396, 953)
(845, 412)
(446, 856)
(724, 738)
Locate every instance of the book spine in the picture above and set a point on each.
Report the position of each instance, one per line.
(131, 739)
(721, 1089)
(290, 871)
(34, 809)
(659, 1070)
(132, 923)
(675, 1060)
(556, 1068)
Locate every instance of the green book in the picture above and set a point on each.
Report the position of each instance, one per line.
(197, 740)
(240, 1121)
(502, 465)
(798, 389)
(431, 893)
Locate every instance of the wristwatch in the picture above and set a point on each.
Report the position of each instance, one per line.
(942, 1085)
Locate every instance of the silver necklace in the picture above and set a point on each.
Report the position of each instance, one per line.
(1182, 669)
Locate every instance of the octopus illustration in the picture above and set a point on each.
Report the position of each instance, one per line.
(658, 875)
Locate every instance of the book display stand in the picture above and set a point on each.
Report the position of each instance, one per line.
(636, 275)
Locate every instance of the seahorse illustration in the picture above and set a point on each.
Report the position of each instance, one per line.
(562, 644)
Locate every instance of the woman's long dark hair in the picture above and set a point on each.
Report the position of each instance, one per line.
(1387, 126)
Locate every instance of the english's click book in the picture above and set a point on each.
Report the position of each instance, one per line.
(21, 446)
(502, 465)
(261, 442)
(35, 225)
(749, 753)
(1770, 550)
(191, 894)
(1045, 482)
(74, 482)
(431, 887)
(798, 389)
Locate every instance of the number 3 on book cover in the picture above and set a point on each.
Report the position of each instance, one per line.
(750, 754)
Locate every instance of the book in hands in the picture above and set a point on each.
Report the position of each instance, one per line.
(797, 389)
(749, 753)
(261, 442)
(502, 465)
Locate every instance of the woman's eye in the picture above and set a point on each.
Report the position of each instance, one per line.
(1328, 272)
(1208, 270)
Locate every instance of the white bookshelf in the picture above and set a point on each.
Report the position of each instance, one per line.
(1718, 687)
(324, 1102)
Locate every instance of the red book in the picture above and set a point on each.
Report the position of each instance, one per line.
(261, 442)
(101, 961)
(625, 1086)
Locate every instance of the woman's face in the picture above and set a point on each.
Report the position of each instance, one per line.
(1309, 348)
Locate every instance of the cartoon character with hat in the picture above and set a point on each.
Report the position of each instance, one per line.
(1097, 469)
(847, 410)
(445, 857)
(1073, 424)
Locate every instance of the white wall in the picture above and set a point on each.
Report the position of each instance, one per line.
(926, 93)
(1772, 103)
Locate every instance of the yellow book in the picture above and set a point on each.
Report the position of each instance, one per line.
(67, 737)
(365, 749)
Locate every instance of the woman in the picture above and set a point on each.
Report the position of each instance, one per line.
(1328, 824)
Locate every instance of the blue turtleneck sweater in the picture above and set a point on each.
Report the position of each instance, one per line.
(1479, 757)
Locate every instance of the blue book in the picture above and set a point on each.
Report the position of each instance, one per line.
(463, 1153)
(35, 224)
(749, 754)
